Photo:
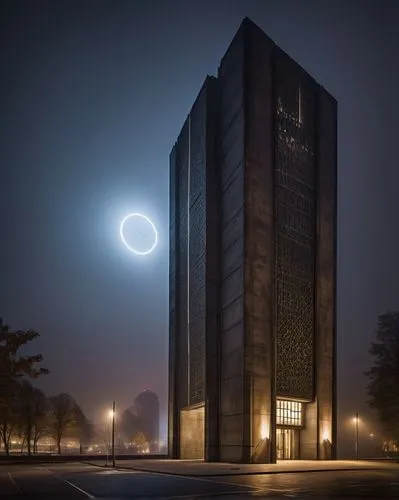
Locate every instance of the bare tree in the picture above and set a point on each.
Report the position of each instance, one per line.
(82, 428)
(103, 433)
(62, 417)
(9, 414)
(32, 410)
(383, 387)
(40, 429)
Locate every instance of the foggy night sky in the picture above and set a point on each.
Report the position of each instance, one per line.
(93, 96)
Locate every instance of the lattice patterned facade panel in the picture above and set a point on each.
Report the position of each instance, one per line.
(173, 307)
(197, 301)
(295, 205)
(197, 277)
(182, 220)
(173, 231)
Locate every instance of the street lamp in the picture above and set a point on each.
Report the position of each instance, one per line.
(356, 422)
(112, 415)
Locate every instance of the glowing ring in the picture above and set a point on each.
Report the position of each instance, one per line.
(133, 250)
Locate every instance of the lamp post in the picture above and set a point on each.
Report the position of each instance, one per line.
(112, 417)
(356, 421)
(113, 434)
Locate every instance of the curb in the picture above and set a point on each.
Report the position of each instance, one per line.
(250, 473)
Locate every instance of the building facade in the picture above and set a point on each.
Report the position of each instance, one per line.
(253, 179)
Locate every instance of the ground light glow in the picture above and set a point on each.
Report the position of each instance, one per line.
(129, 247)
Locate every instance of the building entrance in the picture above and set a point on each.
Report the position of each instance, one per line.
(287, 441)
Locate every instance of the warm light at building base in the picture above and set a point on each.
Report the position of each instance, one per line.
(264, 430)
(326, 436)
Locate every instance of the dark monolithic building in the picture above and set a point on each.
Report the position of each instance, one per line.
(252, 263)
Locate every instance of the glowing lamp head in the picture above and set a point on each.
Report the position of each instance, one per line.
(153, 229)
(111, 414)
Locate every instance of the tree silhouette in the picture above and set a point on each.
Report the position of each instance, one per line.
(13, 366)
(103, 434)
(33, 409)
(140, 441)
(81, 427)
(62, 418)
(41, 428)
(383, 387)
(9, 413)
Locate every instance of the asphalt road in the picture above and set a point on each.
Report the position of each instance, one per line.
(79, 481)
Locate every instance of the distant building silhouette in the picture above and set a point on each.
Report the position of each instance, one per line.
(146, 409)
(129, 425)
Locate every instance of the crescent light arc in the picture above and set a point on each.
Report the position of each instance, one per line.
(130, 248)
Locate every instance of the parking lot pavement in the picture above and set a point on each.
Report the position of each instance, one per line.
(375, 484)
(77, 481)
(82, 481)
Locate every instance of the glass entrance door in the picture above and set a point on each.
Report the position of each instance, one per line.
(287, 441)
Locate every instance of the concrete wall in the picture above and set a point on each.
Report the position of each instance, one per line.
(231, 171)
(212, 349)
(173, 404)
(308, 435)
(326, 274)
(178, 360)
(259, 408)
(193, 269)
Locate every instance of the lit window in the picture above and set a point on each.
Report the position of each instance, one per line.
(289, 412)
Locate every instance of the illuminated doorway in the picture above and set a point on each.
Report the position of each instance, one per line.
(287, 444)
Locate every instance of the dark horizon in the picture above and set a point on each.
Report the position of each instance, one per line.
(93, 98)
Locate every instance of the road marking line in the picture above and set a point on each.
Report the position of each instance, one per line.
(15, 484)
(72, 485)
(207, 495)
(195, 478)
(77, 488)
